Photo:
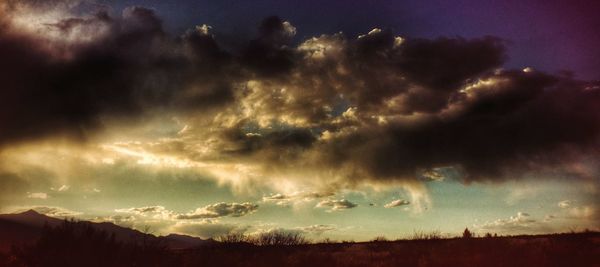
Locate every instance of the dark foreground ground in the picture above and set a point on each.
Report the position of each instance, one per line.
(75, 244)
(555, 250)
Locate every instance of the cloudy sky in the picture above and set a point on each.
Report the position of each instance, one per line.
(339, 119)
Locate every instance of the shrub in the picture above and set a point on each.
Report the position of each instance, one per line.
(233, 238)
(467, 233)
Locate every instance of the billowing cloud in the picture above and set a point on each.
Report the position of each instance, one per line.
(336, 205)
(397, 203)
(329, 112)
(126, 65)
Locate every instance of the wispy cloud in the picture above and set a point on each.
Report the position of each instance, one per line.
(317, 229)
(38, 195)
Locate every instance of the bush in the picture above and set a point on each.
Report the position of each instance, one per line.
(233, 238)
(279, 238)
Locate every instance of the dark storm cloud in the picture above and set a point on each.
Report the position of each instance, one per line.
(269, 54)
(375, 107)
(531, 122)
(247, 143)
(127, 66)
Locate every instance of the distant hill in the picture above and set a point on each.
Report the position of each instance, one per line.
(26, 227)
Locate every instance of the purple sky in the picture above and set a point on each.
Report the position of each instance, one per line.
(546, 35)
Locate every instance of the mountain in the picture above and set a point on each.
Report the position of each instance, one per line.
(26, 228)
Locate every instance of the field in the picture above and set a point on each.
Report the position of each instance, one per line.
(551, 250)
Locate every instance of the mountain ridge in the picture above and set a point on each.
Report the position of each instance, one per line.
(26, 227)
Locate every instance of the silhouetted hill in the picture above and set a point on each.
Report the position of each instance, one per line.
(26, 227)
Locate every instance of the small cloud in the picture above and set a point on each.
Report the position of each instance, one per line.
(564, 204)
(38, 195)
(397, 203)
(549, 217)
(62, 188)
(335, 205)
(432, 175)
(278, 199)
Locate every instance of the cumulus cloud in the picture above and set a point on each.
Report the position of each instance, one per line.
(520, 223)
(397, 203)
(566, 219)
(220, 210)
(336, 205)
(217, 210)
(331, 111)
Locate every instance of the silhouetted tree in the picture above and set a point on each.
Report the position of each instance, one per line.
(467, 233)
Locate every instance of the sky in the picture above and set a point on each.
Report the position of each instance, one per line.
(336, 119)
